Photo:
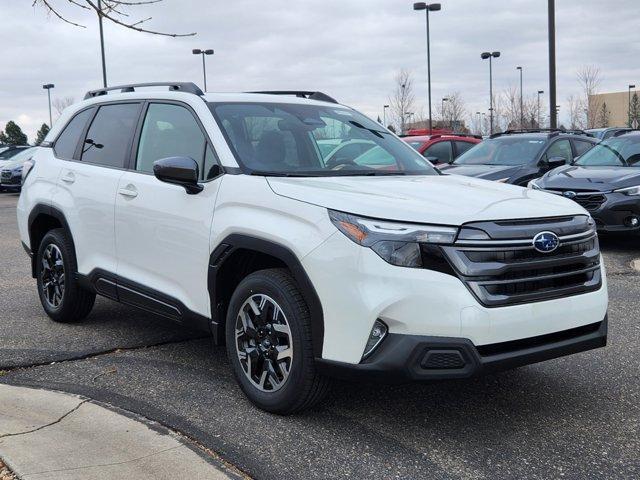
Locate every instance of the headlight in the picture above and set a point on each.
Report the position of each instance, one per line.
(533, 185)
(396, 243)
(26, 169)
(632, 191)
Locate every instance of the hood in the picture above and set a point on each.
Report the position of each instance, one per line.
(438, 199)
(590, 178)
(486, 172)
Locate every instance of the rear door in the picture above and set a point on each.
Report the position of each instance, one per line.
(88, 182)
(162, 233)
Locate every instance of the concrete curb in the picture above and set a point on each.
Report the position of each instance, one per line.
(54, 435)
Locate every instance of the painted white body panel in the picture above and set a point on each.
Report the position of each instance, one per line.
(162, 237)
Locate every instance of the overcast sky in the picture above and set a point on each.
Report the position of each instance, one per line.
(350, 49)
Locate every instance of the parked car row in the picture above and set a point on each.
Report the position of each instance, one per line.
(598, 168)
(11, 162)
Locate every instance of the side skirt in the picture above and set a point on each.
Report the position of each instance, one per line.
(134, 294)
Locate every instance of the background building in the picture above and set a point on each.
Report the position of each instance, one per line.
(617, 107)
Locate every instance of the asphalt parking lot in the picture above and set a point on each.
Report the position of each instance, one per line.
(575, 417)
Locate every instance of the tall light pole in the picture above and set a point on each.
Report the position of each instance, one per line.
(445, 99)
(630, 87)
(521, 108)
(197, 51)
(433, 7)
(484, 56)
(553, 115)
(540, 92)
(104, 63)
(48, 87)
(384, 115)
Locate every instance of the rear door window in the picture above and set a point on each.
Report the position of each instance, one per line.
(108, 140)
(65, 145)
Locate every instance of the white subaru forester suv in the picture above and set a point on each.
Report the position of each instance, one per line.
(310, 240)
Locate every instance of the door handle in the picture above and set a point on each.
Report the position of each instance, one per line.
(68, 177)
(129, 191)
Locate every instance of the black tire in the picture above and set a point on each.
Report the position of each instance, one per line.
(74, 302)
(304, 387)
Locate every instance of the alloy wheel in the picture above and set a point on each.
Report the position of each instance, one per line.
(263, 343)
(52, 275)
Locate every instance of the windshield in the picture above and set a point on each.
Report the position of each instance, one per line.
(515, 150)
(621, 151)
(313, 140)
(22, 155)
(10, 153)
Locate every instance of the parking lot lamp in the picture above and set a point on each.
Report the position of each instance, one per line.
(433, 7)
(540, 92)
(478, 122)
(521, 110)
(630, 87)
(48, 87)
(484, 56)
(197, 51)
(384, 115)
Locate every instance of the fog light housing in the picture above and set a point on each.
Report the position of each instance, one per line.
(632, 221)
(378, 333)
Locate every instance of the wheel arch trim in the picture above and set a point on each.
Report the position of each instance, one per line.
(235, 242)
(50, 211)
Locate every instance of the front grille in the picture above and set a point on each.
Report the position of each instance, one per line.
(6, 175)
(511, 271)
(589, 200)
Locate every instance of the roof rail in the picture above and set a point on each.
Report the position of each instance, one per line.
(187, 87)
(553, 131)
(622, 131)
(322, 97)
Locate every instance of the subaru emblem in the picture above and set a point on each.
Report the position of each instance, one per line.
(546, 242)
(570, 194)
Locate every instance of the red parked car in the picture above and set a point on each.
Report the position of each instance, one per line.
(442, 149)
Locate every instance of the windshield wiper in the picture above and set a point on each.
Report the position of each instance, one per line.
(377, 133)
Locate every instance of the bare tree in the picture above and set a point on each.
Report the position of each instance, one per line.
(402, 101)
(111, 10)
(576, 112)
(590, 80)
(454, 113)
(59, 104)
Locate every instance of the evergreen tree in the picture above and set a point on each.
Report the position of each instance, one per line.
(634, 109)
(603, 116)
(44, 129)
(13, 134)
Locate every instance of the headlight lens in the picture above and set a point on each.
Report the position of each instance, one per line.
(533, 185)
(26, 168)
(396, 243)
(632, 191)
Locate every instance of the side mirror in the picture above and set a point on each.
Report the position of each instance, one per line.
(552, 162)
(181, 171)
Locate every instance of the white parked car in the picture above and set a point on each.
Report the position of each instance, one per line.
(217, 211)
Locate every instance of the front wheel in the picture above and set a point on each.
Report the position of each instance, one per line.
(268, 333)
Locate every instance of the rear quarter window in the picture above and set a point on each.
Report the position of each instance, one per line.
(67, 141)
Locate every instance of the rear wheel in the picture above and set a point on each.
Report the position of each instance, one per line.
(268, 332)
(60, 294)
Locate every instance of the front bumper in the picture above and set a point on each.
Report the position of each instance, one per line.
(410, 358)
(610, 215)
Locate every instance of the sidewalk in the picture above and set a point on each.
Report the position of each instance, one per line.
(52, 435)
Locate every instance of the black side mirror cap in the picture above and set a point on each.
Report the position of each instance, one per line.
(183, 171)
